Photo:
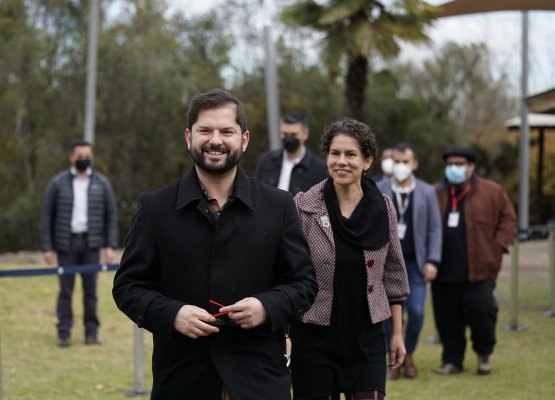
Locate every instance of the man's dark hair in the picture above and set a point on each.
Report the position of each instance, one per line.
(79, 143)
(295, 117)
(351, 127)
(215, 98)
(402, 147)
(386, 149)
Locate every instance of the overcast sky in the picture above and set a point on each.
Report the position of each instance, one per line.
(501, 31)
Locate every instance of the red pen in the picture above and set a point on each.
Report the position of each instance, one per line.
(219, 314)
(218, 304)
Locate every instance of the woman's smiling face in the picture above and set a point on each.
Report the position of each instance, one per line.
(345, 160)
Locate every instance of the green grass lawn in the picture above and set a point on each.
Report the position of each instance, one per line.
(34, 368)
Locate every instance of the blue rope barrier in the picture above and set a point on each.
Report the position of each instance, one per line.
(61, 270)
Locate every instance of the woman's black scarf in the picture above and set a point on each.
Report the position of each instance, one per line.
(368, 225)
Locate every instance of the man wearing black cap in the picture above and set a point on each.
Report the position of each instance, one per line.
(478, 226)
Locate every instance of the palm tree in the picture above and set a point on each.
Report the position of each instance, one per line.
(355, 30)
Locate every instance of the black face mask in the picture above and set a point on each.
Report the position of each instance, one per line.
(291, 143)
(82, 165)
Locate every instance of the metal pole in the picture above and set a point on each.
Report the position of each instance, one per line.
(524, 145)
(551, 247)
(513, 301)
(514, 286)
(272, 96)
(138, 365)
(523, 188)
(90, 100)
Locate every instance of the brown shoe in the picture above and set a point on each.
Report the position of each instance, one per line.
(92, 340)
(484, 365)
(447, 369)
(393, 374)
(410, 370)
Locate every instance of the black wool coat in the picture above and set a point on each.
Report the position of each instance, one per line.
(176, 254)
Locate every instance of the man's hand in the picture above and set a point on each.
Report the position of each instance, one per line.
(48, 256)
(397, 351)
(288, 345)
(429, 271)
(108, 255)
(193, 322)
(247, 313)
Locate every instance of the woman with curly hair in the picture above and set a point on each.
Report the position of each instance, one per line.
(339, 345)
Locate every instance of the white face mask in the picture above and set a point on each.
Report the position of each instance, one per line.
(401, 172)
(387, 166)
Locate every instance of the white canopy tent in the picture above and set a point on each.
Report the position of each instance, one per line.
(535, 120)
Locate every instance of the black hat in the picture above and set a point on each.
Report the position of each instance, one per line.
(460, 151)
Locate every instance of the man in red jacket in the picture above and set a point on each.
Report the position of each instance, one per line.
(478, 226)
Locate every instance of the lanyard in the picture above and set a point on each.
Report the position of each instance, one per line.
(455, 199)
(402, 205)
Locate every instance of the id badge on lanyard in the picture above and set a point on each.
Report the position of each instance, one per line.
(401, 230)
(453, 219)
(402, 208)
(454, 216)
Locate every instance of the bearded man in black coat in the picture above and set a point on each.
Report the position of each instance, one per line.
(216, 266)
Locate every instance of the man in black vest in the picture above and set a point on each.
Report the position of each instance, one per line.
(79, 216)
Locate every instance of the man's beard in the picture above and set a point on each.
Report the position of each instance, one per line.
(216, 168)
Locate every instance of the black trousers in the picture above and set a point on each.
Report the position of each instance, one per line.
(79, 254)
(461, 304)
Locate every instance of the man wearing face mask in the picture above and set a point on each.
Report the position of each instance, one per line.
(386, 165)
(79, 216)
(419, 228)
(294, 168)
(478, 225)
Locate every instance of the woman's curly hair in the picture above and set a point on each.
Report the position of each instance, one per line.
(362, 133)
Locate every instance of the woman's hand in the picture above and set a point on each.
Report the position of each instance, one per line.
(397, 351)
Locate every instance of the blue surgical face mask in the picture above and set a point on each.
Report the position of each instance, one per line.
(455, 173)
